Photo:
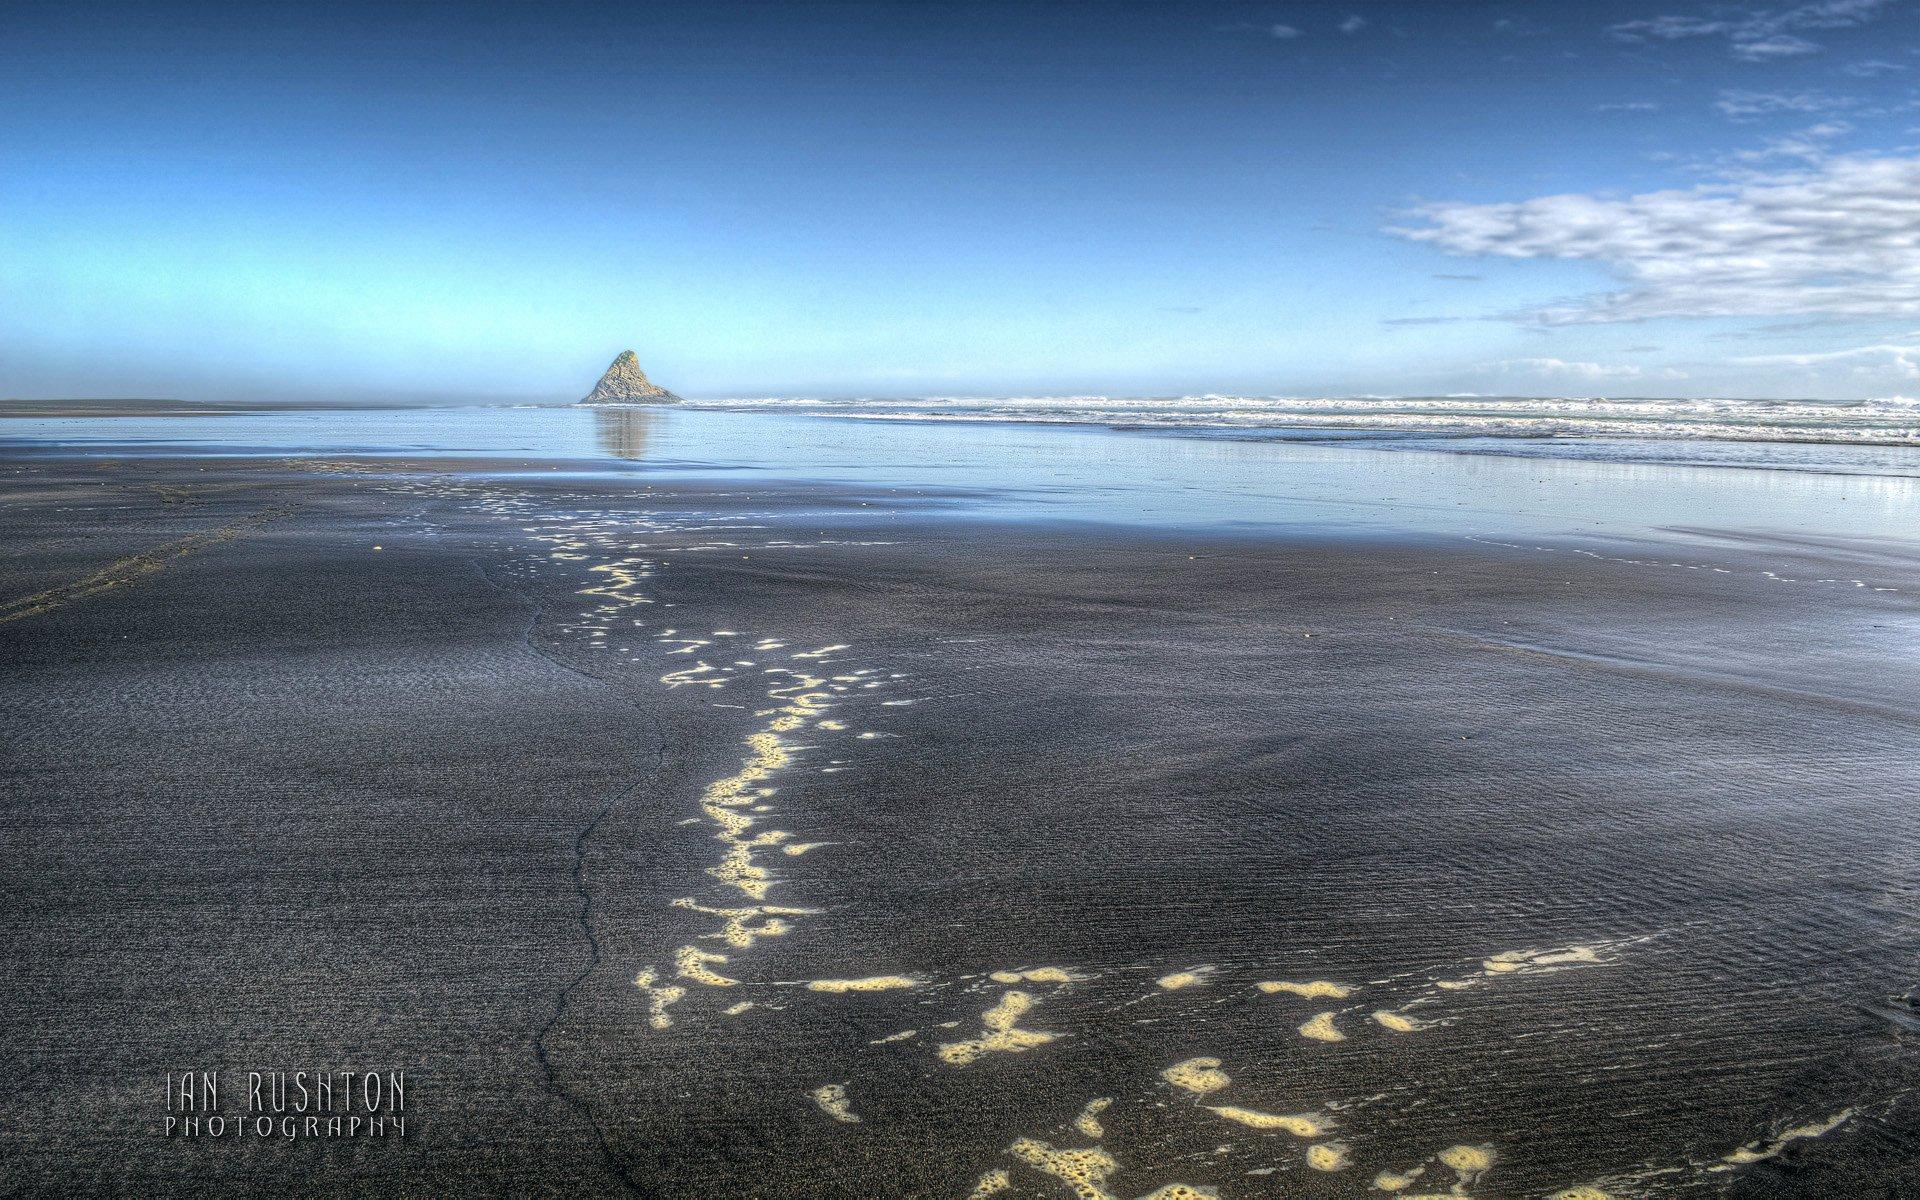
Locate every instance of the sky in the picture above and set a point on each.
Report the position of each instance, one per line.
(443, 201)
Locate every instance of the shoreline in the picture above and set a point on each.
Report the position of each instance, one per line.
(1331, 432)
(1025, 472)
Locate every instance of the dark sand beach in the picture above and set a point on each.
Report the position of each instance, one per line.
(1566, 863)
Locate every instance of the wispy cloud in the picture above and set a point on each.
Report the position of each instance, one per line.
(1807, 145)
(1839, 238)
(1582, 370)
(1353, 24)
(1628, 106)
(1807, 326)
(1756, 34)
(1282, 32)
(1901, 358)
(1458, 278)
(1780, 45)
(1872, 67)
(1519, 27)
(1742, 105)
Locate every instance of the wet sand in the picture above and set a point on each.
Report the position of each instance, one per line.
(743, 839)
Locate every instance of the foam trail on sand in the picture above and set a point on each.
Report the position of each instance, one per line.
(1200, 1076)
(1192, 977)
(1399, 1022)
(736, 807)
(1760, 1151)
(1302, 1125)
(1088, 1122)
(873, 983)
(1314, 989)
(832, 1099)
(1001, 1033)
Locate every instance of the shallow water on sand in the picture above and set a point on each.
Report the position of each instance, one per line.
(1065, 813)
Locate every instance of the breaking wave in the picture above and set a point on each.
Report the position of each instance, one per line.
(1882, 422)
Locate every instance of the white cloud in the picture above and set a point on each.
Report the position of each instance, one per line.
(1756, 34)
(1353, 24)
(1628, 106)
(1840, 238)
(1283, 31)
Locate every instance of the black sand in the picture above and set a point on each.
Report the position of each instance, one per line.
(280, 800)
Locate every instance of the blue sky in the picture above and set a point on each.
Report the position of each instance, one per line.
(488, 201)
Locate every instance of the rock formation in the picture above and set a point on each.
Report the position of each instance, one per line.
(626, 383)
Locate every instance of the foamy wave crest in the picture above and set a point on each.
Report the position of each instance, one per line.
(1893, 421)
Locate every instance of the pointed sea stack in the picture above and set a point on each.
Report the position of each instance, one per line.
(626, 383)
